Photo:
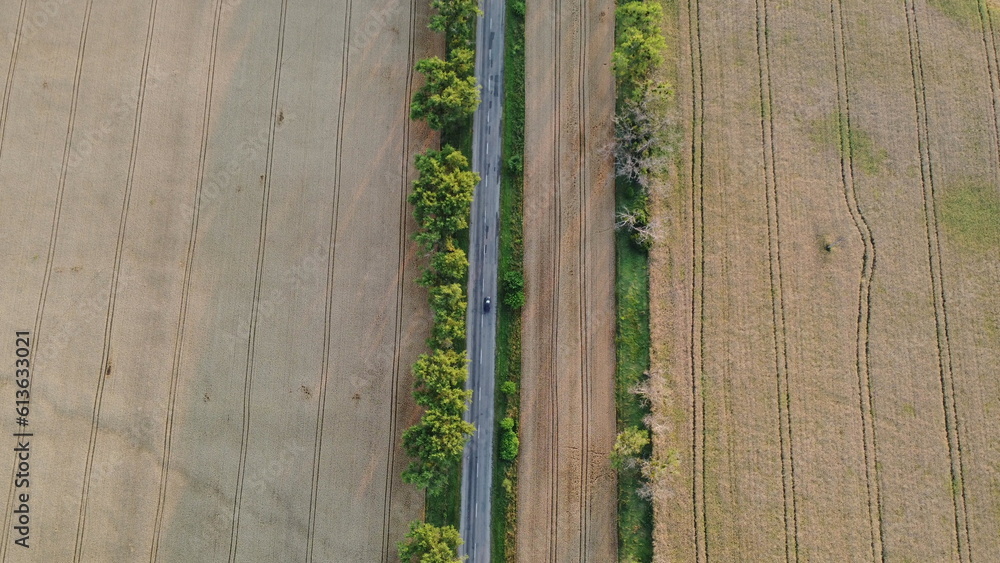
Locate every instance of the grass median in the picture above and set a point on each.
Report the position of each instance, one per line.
(635, 514)
(511, 258)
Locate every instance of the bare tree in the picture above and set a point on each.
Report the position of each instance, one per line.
(642, 147)
(636, 225)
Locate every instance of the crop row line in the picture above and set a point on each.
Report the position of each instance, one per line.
(584, 187)
(4, 536)
(387, 543)
(258, 281)
(328, 305)
(992, 68)
(556, 264)
(777, 286)
(951, 416)
(863, 366)
(697, 282)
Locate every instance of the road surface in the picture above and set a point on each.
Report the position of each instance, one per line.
(477, 462)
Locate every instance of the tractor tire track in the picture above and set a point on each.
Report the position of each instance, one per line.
(116, 272)
(186, 287)
(994, 34)
(865, 393)
(777, 286)
(556, 266)
(992, 69)
(8, 85)
(951, 415)
(697, 282)
(328, 306)
(585, 356)
(387, 543)
(258, 280)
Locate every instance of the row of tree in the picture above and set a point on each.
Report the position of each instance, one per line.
(641, 128)
(442, 199)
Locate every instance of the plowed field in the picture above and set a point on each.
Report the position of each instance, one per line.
(566, 487)
(825, 303)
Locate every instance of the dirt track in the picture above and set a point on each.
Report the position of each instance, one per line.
(820, 307)
(206, 233)
(566, 485)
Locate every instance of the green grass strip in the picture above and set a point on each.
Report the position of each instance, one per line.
(444, 508)
(635, 514)
(511, 256)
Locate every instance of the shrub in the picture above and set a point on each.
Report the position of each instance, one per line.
(507, 423)
(515, 164)
(509, 445)
(518, 8)
(512, 288)
(508, 388)
(630, 445)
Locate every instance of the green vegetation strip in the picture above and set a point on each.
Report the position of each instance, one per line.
(508, 362)
(635, 514)
(641, 151)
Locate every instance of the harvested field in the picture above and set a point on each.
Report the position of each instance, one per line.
(824, 303)
(566, 486)
(206, 234)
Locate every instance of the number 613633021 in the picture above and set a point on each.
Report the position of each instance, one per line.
(22, 364)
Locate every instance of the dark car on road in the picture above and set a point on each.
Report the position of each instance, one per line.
(486, 305)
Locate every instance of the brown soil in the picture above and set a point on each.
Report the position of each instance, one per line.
(821, 315)
(566, 486)
(220, 286)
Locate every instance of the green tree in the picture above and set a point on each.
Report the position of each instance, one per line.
(448, 265)
(442, 195)
(440, 381)
(448, 303)
(450, 93)
(629, 446)
(456, 19)
(462, 61)
(639, 43)
(440, 369)
(436, 442)
(427, 543)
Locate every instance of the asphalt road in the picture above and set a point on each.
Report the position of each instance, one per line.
(477, 462)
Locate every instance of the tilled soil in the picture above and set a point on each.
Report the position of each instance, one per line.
(566, 487)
